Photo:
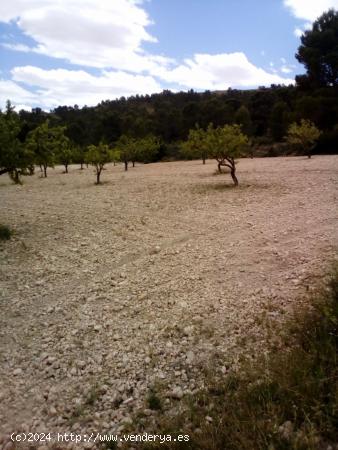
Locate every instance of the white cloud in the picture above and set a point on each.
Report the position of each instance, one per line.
(309, 10)
(307, 26)
(298, 32)
(109, 35)
(220, 72)
(12, 91)
(59, 86)
(285, 69)
(96, 33)
(68, 87)
(16, 47)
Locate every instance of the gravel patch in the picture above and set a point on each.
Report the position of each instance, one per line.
(107, 291)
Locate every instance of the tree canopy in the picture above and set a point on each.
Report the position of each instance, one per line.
(227, 143)
(222, 143)
(15, 158)
(303, 135)
(196, 146)
(319, 52)
(98, 156)
(45, 141)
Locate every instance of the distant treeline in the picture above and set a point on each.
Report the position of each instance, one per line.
(264, 113)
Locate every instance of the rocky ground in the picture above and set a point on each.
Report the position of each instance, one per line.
(108, 291)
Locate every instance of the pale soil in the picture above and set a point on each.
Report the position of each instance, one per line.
(109, 290)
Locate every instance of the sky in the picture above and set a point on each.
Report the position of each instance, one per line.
(81, 52)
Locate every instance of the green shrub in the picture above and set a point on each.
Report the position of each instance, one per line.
(5, 233)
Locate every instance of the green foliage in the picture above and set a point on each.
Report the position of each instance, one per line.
(148, 148)
(227, 142)
(5, 233)
(303, 136)
(137, 149)
(154, 401)
(319, 52)
(222, 143)
(126, 147)
(243, 118)
(196, 146)
(15, 159)
(98, 156)
(65, 152)
(116, 156)
(279, 120)
(78, 154)
(46, 141)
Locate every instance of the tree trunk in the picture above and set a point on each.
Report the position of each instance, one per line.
(309, 155)
(133, 163)
(2, 171)
(233, 176)
(15, 176)
(125, 165)
(219, 168)
(66, 167)
(81, 166)
(40, 167)
(98, 173)
(45, 171)
(203, 160)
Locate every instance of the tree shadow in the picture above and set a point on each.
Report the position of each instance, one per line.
(202, 188)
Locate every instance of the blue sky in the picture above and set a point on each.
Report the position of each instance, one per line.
(66, 52)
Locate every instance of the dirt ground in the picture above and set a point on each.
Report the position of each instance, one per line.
(108, 291)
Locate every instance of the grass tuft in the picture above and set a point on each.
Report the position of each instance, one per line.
(154, 401)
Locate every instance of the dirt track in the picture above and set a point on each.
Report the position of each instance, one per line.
(107, 290)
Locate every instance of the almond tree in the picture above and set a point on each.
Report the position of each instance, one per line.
(126, 149)
(98, 156)
(303, 135)
(224, 144)
(227, 143)
(45, 141)
(15, 158)
(65, 152)
(133, 149)
(196, 146)
(147, 148)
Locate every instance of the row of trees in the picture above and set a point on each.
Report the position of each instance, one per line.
(48, 145)
(127, 127)
(127, 150)
(265, 115)
(227, 143)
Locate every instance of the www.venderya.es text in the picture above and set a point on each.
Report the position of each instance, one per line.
(97, 437)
